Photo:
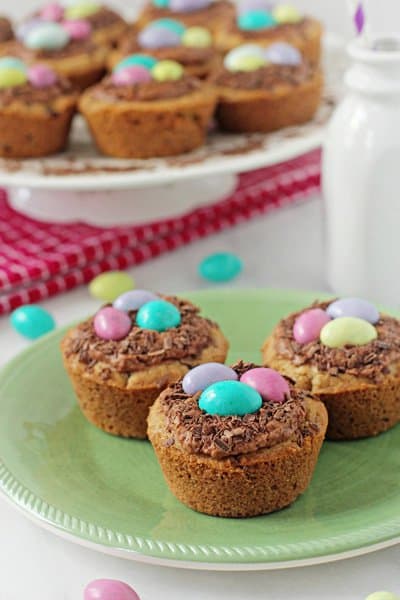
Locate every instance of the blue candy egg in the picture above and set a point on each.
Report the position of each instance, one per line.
(158, 315)
(283, 54)
(32, 321)
(256, 19)
(220, 267)
(161, 3)
(136, 59)
(171, 24)
(47, 36)
(9, 62)
(133, 300)
(204, 375)
(227, 398)
(354, 307)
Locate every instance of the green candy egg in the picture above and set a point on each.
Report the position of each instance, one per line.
(197, 37)
(347, 331)
(81, 10)
(158, 315)
(226, 398)
(142, 60)
(11, 78)
(286, 13)
(167, 70)
(108, 286)
(32, 321)
(248, 63)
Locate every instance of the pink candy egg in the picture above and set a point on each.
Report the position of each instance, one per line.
(269, 384)
(131, 75)
(112, 324)
(78, 29)
(308, 325)
(41, 76)
(52, 12)
(109, 589)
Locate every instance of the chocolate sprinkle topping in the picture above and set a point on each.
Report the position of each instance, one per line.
(145, 92)
(220, 437)
(29, 94)
(266, 78)
(105, 17)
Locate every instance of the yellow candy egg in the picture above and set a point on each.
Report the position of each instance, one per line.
(248, 63)
(347, 331)
(286, 13)
(12, 78)
(81, 10)
(167, 70)
(197, 37)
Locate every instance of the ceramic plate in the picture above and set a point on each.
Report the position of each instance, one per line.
(109, 493)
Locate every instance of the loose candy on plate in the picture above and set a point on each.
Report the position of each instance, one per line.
(109, 589)
(133, 300)
(108, 286)
(308, 325)
(32, 321)
(112, 324)
(226, 398)
(347, 331)
(268, 383)
(201, 377)
(158, 315)
(220, 267)
(354, 307)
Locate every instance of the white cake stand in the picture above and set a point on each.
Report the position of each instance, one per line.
(81, 185)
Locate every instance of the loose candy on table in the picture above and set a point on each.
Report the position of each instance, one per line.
(185, 6)
(42, 76)
(235, 55)
(108, 286)
(52, 12)
(268, 383)
(256, 20)
(158, 315)
(307, 327)
(382, 596)
(142, 60)
(286, 13)
(78, 29)
(12, 78)
(81, 10)
(220, 267)
(47, 36)
(133, 300)
(347, 331)
(226, 398)
(197, 37)
(131, 76)
(354, 307)
(201, 377)
(109, 589)
(32, 321)
(112, 324)
(157, 36)
(167, 70)
(283, 54)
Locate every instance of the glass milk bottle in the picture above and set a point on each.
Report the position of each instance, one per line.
(361, 176)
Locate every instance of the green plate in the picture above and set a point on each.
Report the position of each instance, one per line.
(109, 493)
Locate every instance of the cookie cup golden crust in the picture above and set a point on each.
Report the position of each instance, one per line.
(132, 129)
(110, 35)
(213, 17)
(34, 131)
(246, 485)
(264, 111)
(357, 406)
(120, 403)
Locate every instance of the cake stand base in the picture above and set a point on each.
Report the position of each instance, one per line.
(107, 208)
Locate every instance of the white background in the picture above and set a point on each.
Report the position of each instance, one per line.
(281, 250)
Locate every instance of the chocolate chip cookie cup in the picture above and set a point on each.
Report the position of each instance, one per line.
(121, 359)
(348, 355)
(36, 110)
(236, 442)
(263, 90)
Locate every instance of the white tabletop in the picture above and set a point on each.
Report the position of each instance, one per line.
(280, 250)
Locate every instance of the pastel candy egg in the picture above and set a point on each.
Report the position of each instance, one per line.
(220, 267)
(81, 10)
(185, 6)
(382, 596)
(109, 589)
(269, 384)
(154, 37)
(133, 300)
(78, 29)
(197, 37)
(248, 63)
(171, 24)
(9, 62)
(131, 75)
(354, 307)
(52, 12)
(226, 398)
(47, 36)
(201, 377)
(136, 60)
(307, 327)
(161, 3)
(234, 55)
(158, 315)
(108, 286)
(42, 76)
(286, 13)
(283, 54)
(12, 78)
(250, 5)
(111, 324)
(255, 19)
(167, 70)
(32, 321)
(347, 331)
(25, 28)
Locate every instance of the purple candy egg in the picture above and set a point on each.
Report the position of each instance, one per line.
(156, 36)
(184, 6)
(25, 28)
(308, 325)
(131, 75)
(201, 377)
(354, 307)
(283, 54)
(112, 324)
(246, 6)
(133, 300)
(42, 76)
(52, 12)
(269, 384)
(109, 589)
(78, 29)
